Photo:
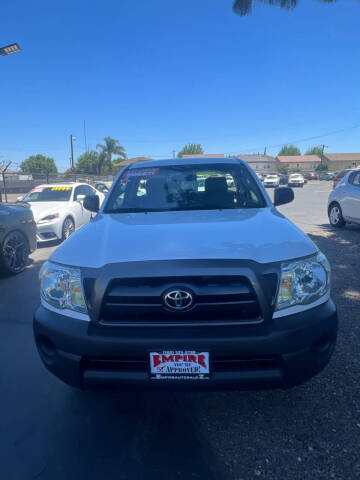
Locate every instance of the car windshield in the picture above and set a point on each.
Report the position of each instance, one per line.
(49, 194)
(185, 187)
(271, 177)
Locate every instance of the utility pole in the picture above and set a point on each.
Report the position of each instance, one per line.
(86, 148)
(322, 153)
(3, 176)
(72, 138)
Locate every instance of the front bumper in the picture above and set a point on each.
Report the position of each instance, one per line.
(295, 184)
(49, 231)
(32, 237)
(284, 353)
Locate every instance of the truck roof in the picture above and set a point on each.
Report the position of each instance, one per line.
(186, 161)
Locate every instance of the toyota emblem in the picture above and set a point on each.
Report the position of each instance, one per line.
(178, 299)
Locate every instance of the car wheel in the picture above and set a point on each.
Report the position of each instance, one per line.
(14, 253)
(335, 216)
(68, 228)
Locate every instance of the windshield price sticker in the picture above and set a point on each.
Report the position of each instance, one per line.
(179, 365)
(37, 189)
(141, 172)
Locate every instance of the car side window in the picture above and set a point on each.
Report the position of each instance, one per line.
(90, 190)
(355, 179)
(102, 188)
(80, 190)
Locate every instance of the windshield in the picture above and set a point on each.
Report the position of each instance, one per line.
(48, 194)
(185, 187)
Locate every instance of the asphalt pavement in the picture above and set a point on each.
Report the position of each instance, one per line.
(50, 431)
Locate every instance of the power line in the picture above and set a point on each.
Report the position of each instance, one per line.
(169, 154)
(333, 132)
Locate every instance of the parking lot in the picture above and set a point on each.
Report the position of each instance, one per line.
(49, 430)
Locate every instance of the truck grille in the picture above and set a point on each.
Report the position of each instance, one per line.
(217, 299)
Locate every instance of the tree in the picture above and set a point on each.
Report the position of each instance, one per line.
(88, 162)
(244, 7)
(315, 151)
(107, 151)
(39, 164)
(289, 150)
(191, 149)
(322, 168)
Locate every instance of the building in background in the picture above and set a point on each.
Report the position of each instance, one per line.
(339, 161)
(298, 162)
(259, 162)
(116, 168)
(204, 155)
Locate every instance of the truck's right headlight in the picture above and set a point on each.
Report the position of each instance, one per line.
(303, 281)
(61, 287)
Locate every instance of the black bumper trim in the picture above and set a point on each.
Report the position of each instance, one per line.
(304, 342)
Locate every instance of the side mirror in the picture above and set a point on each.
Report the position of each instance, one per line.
(19, 199)
(80, 198)
(91, 203)
(283, 195)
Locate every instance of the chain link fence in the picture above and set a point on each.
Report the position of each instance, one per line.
(15, 184)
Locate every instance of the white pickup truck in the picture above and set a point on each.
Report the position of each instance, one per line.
(180, 283)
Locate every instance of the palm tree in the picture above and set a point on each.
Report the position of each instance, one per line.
(243, 7)
(110, 148)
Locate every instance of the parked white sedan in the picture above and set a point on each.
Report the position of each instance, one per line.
(271, 181)
(58, 209)
(344, 200)
(296, 180)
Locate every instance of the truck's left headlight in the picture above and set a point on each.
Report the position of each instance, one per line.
(61, 287)
(303, 281)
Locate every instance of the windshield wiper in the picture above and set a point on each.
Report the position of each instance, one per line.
(134, 210)
(172, 209)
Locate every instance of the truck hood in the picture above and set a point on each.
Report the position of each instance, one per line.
(42, 209)
(263, 235)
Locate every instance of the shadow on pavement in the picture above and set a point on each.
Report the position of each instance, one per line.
(342, 248)
(53, 431)
(50, 243)
(308, 432)
(137, 435)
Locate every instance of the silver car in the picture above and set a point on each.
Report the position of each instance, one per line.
(344, 200)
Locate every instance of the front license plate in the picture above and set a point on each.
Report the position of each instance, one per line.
(179, 365)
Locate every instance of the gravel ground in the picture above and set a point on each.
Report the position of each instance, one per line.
(310, 432)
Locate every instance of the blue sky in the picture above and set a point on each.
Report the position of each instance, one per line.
(158, 74)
